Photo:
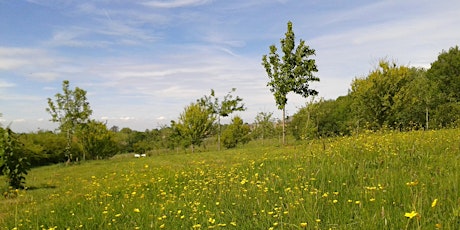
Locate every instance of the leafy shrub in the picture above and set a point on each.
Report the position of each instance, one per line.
(236, 132)
(12, 164)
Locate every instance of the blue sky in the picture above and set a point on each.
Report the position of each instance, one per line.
(141, 62)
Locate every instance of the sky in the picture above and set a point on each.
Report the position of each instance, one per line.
(142, 62)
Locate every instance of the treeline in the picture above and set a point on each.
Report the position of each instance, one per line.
(101, 142)
(390, 97)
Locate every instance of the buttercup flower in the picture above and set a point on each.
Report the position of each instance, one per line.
(433, 204)
(411, 215)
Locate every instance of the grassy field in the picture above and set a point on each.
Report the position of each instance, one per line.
(371, 181)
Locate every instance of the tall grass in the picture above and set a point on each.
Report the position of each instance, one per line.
(370, 181)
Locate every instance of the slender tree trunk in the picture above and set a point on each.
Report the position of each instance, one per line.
(218, 133)
(284, 126)
(427, 118)
(69, 146)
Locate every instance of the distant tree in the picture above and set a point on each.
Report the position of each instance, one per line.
(12, 162)
(194, 124)
(237, 132)
(374, 96)
(264, 126)
(303, 124)
(292, 73)
(445, 71)
(70, 110)
(322, 118)
(97, 142)
(115, 129)
(416, 101)
(222, 108)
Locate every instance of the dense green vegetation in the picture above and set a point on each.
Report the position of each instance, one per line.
(384, 180)
(390, 97)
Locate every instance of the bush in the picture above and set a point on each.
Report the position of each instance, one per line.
(12, 164)
(235, 133)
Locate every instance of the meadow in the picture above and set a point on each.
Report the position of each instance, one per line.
(385, 180)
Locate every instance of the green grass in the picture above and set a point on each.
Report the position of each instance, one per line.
(368, 181)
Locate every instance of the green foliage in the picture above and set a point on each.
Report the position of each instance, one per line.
(324, 118)
(445, 71)
(237, 132)
(194, 124)
(292, 73)
(264, 126)
(97, 141)
(12, 163)
(374, 96)
(222, 109)
(416, 101)
(45, 147)
(70, 110)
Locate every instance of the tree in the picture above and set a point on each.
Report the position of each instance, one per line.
(194, 124)
(291, 74)
(445, 71)
(237, 132)
(264, 126)
(97, 142)
(416, 100)
(70, 110)
(222, 109)
(12, 163)
(374, 97)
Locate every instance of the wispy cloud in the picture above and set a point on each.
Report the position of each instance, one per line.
(6, 84)
(175, 3)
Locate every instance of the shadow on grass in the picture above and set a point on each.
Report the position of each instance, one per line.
(42, 186)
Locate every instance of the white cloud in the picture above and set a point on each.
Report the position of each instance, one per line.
(6, 84)
(175, 3)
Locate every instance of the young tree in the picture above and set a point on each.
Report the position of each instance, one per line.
(222, 109)
(264, 126)
(292, 73)
(194, 124)
(12, 163)
(70, 110)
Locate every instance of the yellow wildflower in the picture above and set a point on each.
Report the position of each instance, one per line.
(137, 210)
(433, 204)
(411, 215)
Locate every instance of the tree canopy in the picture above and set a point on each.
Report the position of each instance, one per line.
(194, 124)
(223, 108)
(70, 109)
(292, 73)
